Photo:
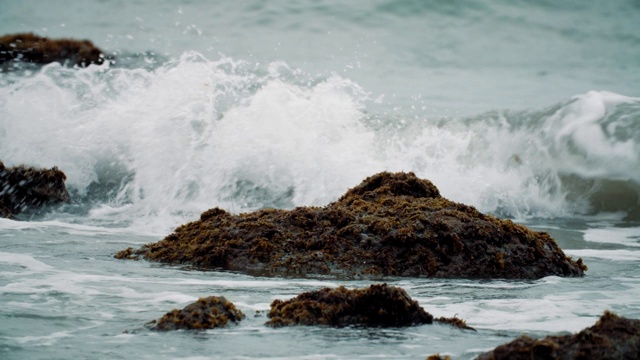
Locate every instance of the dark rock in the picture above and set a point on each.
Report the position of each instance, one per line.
(392, 224)
(456, 322)
(32, 48)
(378, 305)
(26, 188)
(438, 357)
(206, 313)
(612, 337)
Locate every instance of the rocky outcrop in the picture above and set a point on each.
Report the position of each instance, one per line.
(32, 48)
(376, 306)
(206, 313)
(26, 188)
(612, 337)
(392, 224)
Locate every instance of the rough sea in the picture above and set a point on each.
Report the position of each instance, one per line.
(528, 110)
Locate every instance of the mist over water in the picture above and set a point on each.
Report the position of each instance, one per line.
(529, 111)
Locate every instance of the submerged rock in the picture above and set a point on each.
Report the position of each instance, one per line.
(26, 188)
(392, 224)
(206, 313)
(32, 48)
(612, 337)
(376, 306)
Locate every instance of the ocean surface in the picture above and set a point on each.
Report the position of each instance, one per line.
(525, 110)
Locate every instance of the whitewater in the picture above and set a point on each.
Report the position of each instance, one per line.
(526, 111)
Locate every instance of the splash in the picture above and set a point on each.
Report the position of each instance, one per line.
(189, 135)
(156, 146)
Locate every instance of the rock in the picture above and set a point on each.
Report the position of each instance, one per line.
(378, 305)
(32, 48)
(612, 337)
(456, 322)
(392, 224)
(206, 313)
(26, 188)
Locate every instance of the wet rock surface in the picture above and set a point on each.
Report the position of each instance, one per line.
(206, 313)
(612, 337)
(28, 189)
(376, 306)
(31, 48)
(392, 224)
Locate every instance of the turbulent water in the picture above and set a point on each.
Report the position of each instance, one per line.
(526, 110)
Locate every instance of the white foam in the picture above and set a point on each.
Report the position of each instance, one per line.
(14, 225)
(74, 228)
(614, 235)
(522, 314)
(170, 297)
(24, 261)
(46, 340)
(617, 255)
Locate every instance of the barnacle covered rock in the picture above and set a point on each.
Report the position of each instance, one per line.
(392, 224)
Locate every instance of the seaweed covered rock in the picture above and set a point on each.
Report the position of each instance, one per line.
(26, 188)
(376, 306)
(206, 313)
(392, 224)
(612, 337)
(32, 48)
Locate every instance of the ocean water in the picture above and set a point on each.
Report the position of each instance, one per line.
(525, 110)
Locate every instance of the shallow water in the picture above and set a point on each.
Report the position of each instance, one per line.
(526, 111)
(65, 295)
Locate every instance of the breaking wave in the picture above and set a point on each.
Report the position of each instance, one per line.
(154, 146)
